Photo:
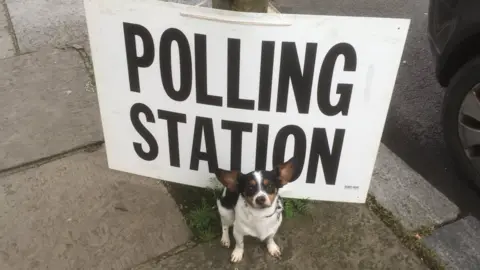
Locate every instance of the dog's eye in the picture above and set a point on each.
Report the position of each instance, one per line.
(270, 188)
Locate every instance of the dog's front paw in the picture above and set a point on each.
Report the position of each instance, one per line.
(274, 249)
(225, 241)
(237, 255)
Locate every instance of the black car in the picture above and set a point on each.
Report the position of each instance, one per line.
(454, 35)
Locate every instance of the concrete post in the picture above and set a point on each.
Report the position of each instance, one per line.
(241, 5)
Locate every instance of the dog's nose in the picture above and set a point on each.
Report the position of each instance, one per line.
(260, 200)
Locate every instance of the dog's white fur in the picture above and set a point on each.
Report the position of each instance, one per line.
(259, 223)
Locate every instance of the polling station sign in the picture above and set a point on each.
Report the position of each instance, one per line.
(184, 90)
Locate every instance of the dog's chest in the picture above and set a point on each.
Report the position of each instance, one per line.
(259, 224)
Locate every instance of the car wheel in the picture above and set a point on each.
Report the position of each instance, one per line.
(461, 121)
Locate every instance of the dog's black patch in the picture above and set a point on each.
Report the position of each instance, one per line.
(230, 199)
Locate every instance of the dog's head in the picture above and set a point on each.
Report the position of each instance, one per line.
(259, 188)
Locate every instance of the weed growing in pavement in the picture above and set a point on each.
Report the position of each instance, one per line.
(295, 207)
(203, 219)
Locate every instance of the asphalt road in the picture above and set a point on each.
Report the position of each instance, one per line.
(413, 130)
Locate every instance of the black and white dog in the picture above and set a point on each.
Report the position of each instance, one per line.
(250, 203)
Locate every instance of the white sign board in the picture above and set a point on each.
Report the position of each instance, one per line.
(184, 90)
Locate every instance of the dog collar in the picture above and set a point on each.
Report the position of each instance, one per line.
(278, 209)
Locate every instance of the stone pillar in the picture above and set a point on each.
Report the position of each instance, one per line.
(241, 5)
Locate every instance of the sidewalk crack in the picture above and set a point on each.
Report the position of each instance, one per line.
(10, 28)
(175, 251)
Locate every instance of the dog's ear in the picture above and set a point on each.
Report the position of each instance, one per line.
(285, 172)
(228, 179)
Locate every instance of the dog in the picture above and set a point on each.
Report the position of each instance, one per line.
(251, 204)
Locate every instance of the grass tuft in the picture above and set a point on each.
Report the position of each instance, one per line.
(202, 220)
(295, 207)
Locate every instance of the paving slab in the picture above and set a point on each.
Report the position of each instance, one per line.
(57, 23)
(457, 244)
(75, 213)
(336, 236)
(47, 106)
(43, 23)
(405, 193)
(7, 48)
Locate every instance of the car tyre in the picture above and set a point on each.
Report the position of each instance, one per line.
(463, 83)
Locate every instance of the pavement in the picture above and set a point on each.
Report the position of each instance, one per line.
(337, 236)
(62, 208)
